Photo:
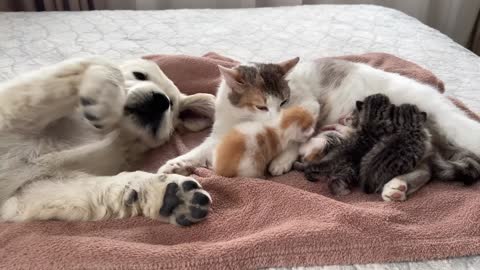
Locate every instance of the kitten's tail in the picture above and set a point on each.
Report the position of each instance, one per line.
(462, 166)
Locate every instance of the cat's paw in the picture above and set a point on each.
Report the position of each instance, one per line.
(184, 201)
(102, 96)
(281, 165)
(177, 166)
(395, 190)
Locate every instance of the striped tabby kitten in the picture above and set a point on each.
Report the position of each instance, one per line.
(249, 147)
(388, 141)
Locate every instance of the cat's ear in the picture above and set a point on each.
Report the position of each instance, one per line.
(232, 77)
(359, 105)
(288, 65)
(424, 116)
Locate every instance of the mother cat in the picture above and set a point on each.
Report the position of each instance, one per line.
(328, 89)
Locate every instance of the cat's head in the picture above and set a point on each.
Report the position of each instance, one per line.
(296, 124)
(259, 90)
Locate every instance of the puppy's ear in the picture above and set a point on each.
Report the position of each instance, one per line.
(196, 112)
(359, 105)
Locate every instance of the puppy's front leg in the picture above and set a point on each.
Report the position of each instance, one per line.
(34, 100)
(171, 198)
(117, 151)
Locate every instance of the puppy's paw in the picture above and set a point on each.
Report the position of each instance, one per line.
(102, 96)
(185, 202)
(173, 198)
(395, 190)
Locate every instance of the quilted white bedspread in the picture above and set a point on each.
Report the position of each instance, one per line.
(31, 40)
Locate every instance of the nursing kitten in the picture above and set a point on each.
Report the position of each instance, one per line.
(338, 84)
(443, 161)
(397, 153)
(247, 93)
(249, 147)
(389, 141)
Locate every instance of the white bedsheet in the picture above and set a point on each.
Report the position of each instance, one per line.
(31, 40)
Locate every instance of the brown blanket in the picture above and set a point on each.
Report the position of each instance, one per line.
(283, 221)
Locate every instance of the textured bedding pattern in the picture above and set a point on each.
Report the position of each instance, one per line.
(31, 40)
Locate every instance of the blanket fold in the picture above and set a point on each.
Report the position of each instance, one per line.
(282, 221)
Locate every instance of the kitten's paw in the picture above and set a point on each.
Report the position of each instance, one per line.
(299, 166)
(339, 187)
(313, 149)
(280, 165)
(184, 201)
(177, 166)
(102, 96)
(395, 190)
(310, 176)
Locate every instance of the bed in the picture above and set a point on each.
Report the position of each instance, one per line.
(31, 40)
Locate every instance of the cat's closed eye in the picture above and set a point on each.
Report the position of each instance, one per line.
(262, 108)
(284, 102)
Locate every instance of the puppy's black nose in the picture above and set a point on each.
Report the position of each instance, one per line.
(159, 102)
(150, 109)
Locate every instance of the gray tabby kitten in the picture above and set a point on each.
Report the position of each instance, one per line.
(389, 141)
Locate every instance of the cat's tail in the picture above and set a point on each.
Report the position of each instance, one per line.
(462, 166)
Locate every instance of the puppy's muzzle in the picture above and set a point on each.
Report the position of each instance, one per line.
(149, 110)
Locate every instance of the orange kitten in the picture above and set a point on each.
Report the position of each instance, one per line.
(249, 147)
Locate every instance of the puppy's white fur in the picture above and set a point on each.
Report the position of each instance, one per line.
(54, 164)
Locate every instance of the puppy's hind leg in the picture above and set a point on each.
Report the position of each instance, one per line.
(32, 101)
(171, 198)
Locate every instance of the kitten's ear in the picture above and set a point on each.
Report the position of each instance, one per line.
(424, 116)
(232, 77)
(359, 105)
(288, 65)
